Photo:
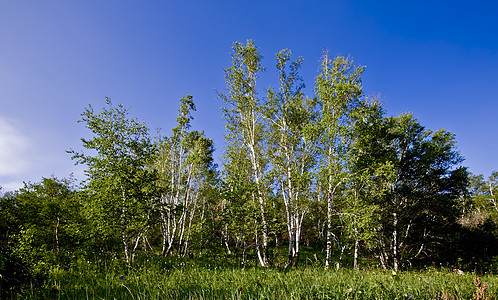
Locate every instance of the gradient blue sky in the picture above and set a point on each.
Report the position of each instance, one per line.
(436, 59)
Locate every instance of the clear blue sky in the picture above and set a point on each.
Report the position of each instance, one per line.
(436, 59)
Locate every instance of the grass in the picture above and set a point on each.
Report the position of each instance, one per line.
(186, 279)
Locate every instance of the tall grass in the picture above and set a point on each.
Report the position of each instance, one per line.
(176, 279)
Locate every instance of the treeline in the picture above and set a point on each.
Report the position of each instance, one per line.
(328, 172)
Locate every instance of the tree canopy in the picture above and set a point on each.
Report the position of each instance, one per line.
(330, 174)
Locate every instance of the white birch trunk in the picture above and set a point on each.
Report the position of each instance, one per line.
(395, 241)
(355, 256)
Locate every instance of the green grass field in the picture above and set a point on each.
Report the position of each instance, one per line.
(188, 279)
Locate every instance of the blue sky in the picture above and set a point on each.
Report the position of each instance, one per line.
(436, 59)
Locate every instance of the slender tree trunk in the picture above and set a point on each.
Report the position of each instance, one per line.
(292, 243)
(383, 256)
(225, 239)
(261, 260)
(185, 207)
(227, 246)
(395, 242)
(163, 232)
(189, 230)
(147, 244)
(124, 238)
(328, 259)
(182, 230)
(266, 254)
(493, 198)
(355, 259)
(297, 242)
(137, 242)
(261, 200)
(265, 235)
(124, 233)
(171, 231)
(57, 234)
(338, 264)
(330, 234)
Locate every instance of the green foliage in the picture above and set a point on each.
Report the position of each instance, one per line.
(247, 136)
(188, 181)
(339, 91)
(426, 187)
(331, 175)
(44, 218)
(290, 151)
(121, 185)
(43, 229)
(476, 245)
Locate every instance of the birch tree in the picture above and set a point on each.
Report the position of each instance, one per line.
(240, 211)
(121, 184)
(338, 89)
(289, 115)
(184, 161)
(245, 127)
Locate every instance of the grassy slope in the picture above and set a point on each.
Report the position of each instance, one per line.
(184, 280)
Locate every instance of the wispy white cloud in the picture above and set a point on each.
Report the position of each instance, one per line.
(11, 186)
(14, 148)
(29, 156)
